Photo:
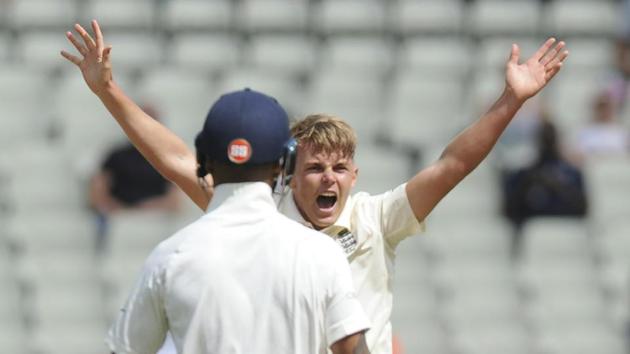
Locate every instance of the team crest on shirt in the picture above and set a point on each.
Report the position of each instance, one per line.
(239, 151)
(347, 241)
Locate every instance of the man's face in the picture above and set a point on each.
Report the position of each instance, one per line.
(321, 185)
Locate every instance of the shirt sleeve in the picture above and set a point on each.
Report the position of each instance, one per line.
(344, 314)
(397, 218)
(141, 325)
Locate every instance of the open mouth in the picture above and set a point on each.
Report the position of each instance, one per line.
(326, 201)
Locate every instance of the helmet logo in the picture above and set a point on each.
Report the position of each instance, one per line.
(239, 151)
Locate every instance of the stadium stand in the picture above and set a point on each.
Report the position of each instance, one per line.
(406, 74)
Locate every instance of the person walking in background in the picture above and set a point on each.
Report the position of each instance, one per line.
(368, 228)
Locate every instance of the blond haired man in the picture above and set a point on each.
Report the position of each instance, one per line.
(369, 228)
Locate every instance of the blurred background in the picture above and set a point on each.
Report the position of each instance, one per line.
(530, 254)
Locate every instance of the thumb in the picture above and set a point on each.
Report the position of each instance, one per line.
(106, 53)
(514, 55)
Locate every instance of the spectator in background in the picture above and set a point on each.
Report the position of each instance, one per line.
(127, 181)
(551, 186)
(604, 134)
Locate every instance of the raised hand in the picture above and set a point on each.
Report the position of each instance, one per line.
(525, 80)
(95, 63)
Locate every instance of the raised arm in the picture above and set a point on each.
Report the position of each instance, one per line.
(162, 148)
(353, 344)
(471, 146)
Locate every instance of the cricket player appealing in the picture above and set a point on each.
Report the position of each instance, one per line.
(368, 228)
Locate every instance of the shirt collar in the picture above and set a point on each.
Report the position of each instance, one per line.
(243, 192)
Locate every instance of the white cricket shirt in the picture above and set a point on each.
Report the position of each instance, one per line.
(369, 230)
(241, 279)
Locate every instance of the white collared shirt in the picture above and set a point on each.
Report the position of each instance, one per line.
(369, 230)
(241, 279)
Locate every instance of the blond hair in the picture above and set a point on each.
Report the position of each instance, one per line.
(325, 134)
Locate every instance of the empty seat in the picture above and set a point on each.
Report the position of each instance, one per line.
(194, 15)
(472, 239)
(41, 14)
(41, 49)
(423, 110)
(349, 16)
(607, 180)
(132, 51)
(70, 339)
(581, 17)
(556, 238)
(22, 98)
(445, 55)
(273, 15)
(375, 179)
(543, 276)
(420, 335)
(138, 232)
(495, 17)
(575, 93)
(361, 55)
(200, 51)
(557, 308)
(581, 339)
(121, 14)
(5, 42)
(282, 87)
(183, 98)
(499, 338)
(358, 99)
(282, 54)
(412, 17)
(61, 232)
(591, 55)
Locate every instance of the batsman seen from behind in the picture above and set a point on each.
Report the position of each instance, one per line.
(368, 227)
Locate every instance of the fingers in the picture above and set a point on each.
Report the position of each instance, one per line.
(87, 39)
(78, 45)
(106, 53)
(551, 55)
(73, 59)
(558, 59)
(550, 73)
(540, 53)
(99, 40)
(514, 55)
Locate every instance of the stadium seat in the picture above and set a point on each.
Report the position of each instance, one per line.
(581, 339)
(13, 338)
(607, 179)
(200, 52)
(23, 95)
(116, 15)
(181, 96)
(40, 50)
(70, 339)
(282, 54)
(449, 56)
(550, 275)
(461, 275)
(495, 17)
(423, 110)
(573, 100)
(358, 99)
(557, 308)
(500, 338)
(135, 50)
(289, 16)
(583, 18)
(421, 335)
(136, 233)
(471, 239)
(360, 55)
(197, 15)
(375, 179)
(5, 43)
(63, 231)
(282, 86)
(594, 55)
(41, 14)
(333, 17)
(410, 17)
(562, 239)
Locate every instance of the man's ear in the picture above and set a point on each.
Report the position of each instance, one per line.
(354, 176)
